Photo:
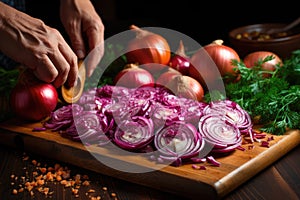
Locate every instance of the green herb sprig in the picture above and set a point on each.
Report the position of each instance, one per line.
(8, 78)
(274, 101)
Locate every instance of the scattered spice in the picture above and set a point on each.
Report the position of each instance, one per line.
(39, 179)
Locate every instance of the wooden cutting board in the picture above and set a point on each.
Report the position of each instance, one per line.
(211, 183)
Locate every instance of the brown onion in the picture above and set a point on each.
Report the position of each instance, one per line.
(148, 47)
(253, 58)
(166, 76)
(132, 76)
(186, 86)
(213, 62)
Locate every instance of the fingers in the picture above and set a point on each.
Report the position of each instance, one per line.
(70, 70)
(66, 65)
(58, 66)
(96, 45)
(46, 71)
(77, 40)
(57, 70)
(91, 32)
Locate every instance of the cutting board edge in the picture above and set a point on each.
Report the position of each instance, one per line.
(242, 174)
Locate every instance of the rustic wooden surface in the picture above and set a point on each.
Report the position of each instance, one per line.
(214, 182)
(279, 181)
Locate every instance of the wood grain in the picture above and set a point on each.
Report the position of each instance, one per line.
(214, 182)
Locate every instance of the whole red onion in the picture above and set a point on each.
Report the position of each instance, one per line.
(32, 99)
(180, 61)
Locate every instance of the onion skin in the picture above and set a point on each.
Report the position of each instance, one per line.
(213, 62)
(166, 76)
(148, 47)
(32, 99)
(132, 76)
(251, 60)
(186, 86)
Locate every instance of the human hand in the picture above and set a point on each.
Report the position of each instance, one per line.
(83, 24)
(30, 42)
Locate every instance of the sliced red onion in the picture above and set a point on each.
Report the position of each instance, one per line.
(135, 119)
(62, 118)
(144, 92)
(110, 91)
(134, 134)
(107, 122)
(234, 113)
(265, 144)
(178, 141)
(87, 120)
(213, 161)
(87, 97)
(223, 136)
(137, 107)
(160, 114)
(191, 110)
(38, 129)
(86, 128)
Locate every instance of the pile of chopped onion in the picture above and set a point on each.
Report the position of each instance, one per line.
(144, 119)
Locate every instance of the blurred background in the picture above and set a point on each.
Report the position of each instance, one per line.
(204, 21)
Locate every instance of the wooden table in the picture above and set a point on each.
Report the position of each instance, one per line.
(278, 181)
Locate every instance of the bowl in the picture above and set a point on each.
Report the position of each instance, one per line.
(250, 38)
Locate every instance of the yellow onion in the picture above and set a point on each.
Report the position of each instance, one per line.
(133, 76)
(148, 47)
(186, 86)
(212, 62)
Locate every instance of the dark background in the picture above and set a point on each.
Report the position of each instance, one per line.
(204, 21)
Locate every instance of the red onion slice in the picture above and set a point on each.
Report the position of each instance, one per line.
(87, 128)
(233, 112)
(216, 131)
(178, 141)
(160, 114)
(134, 134)
(62, 118)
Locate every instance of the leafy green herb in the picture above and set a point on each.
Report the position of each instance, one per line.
(8, 80)
(275, 101)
